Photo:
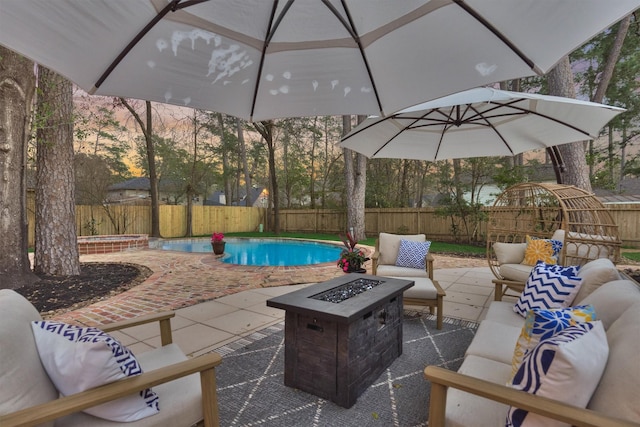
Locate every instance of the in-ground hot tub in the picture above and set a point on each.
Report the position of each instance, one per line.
(88, 245)
(340, 335)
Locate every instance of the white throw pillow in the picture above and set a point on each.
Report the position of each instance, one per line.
(548, 286)
(509, 253)
(566, 367)
(413, 254)
(77, 359)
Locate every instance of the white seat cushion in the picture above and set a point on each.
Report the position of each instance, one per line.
(180, 402)
(422, 288)
(464, 409)
(594, 274)
(393, 270)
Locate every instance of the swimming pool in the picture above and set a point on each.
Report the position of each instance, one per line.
(264, 252)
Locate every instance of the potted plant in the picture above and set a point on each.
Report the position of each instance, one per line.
(351, 258)
(217, 243)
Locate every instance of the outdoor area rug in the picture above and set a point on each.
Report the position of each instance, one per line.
(251, 388)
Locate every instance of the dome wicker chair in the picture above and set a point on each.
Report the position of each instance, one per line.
(548, 211)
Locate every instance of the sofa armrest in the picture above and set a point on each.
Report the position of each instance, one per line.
(63, 406)
(164, 318)
(442, 378)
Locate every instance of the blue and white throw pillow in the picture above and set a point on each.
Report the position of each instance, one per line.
(80, 358)
(566, 367)
(569, 270)
(547, 288)
(412, 254)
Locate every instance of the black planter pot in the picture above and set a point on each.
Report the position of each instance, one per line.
(218, 247)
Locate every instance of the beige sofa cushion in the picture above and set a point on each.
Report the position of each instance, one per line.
(612, 299)
(502, 312)
(494, 341)
(178, 398)
(516, 272)
(594, 274)
(509, 253)
(619, 388)
(394, 270)
(464, 409)
(388, 245)
(23, 380)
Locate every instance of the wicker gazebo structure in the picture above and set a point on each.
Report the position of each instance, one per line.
(539, 209)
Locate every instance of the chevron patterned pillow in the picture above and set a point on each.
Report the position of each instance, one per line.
(78, 359)
(547, 287)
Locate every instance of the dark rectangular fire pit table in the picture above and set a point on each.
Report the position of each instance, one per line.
(335, 350)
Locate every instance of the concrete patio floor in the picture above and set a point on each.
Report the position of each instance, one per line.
(235, 296)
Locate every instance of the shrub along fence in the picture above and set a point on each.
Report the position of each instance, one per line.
(98, 220)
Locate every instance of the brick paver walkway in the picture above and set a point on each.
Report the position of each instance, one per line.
(182, 279)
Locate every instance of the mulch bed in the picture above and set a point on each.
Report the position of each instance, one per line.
(97, 281)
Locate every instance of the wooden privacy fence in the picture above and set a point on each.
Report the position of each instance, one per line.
(96, 220)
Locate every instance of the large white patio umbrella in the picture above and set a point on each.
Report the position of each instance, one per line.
(477, 123)
(260, 59)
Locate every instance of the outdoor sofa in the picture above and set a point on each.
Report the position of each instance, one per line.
(477, 393)
(186, 388)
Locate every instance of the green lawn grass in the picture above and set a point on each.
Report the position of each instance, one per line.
(436, 247)
(634, 256)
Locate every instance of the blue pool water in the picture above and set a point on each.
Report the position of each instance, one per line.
(264, 252)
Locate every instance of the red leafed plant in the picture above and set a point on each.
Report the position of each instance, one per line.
(217, 237)
(351, 258)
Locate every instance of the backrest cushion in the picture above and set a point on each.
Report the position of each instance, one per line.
(389, 244)
(594, 274)
(566, 367)
(413, 254)
(23, 380)
(612, 299)
(619, 388)
(548, 286)
(509, 253)
(80, 358)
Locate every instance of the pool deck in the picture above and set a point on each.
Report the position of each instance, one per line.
(217, 303)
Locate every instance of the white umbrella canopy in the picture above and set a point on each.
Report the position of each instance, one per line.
(259, 59)
(477, 123)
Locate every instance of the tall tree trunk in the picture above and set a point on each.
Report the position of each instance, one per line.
(573, 154)
(265, 128)
(56, 251)
(146, 127)
(17, 86)
(225, 163)
(355, 168)
(245, 164)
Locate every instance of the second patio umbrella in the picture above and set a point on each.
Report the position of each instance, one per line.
(479, 122)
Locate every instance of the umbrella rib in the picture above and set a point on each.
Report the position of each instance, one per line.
(405, 128)
(494, 128)
(267, 41)
(171, 7)
(500, 36)
(350, 27)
